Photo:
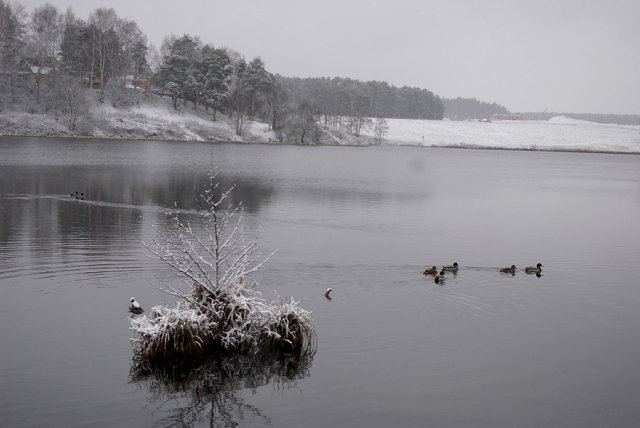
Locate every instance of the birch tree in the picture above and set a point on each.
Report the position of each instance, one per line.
(46, 30)
(104, 41)
(12, 34)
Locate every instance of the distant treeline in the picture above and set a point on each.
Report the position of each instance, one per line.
(471, 108)
(619, 119)
(348, 97)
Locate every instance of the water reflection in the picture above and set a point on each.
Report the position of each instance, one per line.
(116, 199)
(183, 191)
(210, 393)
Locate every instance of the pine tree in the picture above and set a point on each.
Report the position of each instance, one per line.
(216, 87)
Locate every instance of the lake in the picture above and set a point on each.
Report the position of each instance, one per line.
(394, 349)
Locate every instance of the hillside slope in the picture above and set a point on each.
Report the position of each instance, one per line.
(152, 117)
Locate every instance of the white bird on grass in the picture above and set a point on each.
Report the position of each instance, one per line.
(135, 307)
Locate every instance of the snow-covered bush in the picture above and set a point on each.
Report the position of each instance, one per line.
(217, 310)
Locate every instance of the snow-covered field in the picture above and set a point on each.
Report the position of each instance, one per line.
(558, 133)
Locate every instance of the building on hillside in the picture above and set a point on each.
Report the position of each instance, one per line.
(34, 66)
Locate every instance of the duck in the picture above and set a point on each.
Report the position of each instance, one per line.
(74, 195)
(534, 269)
(451, 268)
(439, 279)
(135, 307)
(327, 293)
(432, 271)
(511, 270)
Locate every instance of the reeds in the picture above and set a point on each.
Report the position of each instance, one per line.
(170, 333)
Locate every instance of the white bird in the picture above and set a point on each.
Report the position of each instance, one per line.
(135, 307)
(327, 293)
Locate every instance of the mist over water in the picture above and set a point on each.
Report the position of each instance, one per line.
(486, 349)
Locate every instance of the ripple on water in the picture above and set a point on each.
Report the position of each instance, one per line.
(73, 261)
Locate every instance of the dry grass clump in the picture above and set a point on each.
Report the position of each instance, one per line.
(288, 328)
(169, 333)
(217, 310)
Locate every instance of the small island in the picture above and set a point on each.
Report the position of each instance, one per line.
(218, 311)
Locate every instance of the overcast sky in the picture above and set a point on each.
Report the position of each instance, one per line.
(556, 55)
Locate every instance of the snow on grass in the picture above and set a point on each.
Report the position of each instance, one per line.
(152, 117)
(558, 133)
(18, 123)
(261, 131)
(187, 123)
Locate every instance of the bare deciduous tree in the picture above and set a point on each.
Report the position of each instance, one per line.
(68, 99)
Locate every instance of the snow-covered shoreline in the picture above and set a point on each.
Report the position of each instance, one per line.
(154, 119)
(557, 134)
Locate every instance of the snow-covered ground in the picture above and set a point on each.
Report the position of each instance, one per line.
(558, 133)
(154, 118)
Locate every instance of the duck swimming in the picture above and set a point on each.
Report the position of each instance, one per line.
(534, 269)
(432, 271)
(135, 307)
(451, 268)
(511, 270)
(439, 279)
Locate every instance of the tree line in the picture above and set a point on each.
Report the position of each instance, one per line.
(471, 108)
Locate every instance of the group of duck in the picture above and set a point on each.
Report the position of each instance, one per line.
(439, 276)
(78, 195)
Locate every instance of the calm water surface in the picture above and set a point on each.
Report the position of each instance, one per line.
(394, 349)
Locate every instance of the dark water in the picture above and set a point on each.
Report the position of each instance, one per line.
(394, 349)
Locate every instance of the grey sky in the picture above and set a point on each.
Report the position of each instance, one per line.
(558, 55)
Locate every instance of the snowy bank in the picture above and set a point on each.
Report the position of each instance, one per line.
(154, 118)
(558, 133)
(151, 118)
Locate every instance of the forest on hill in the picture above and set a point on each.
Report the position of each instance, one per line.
(50, 58)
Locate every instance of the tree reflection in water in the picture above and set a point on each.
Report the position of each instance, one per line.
(208, 394)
